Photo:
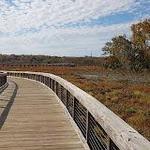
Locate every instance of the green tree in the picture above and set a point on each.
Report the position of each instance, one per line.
(121, 50)
(134, 54)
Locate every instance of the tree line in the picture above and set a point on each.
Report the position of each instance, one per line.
(134, 53)
(45, 60)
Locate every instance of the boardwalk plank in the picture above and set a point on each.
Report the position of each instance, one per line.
(37, 121)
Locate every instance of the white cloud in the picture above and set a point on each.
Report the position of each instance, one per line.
(63, 41)
(45, 20)
(34, 13)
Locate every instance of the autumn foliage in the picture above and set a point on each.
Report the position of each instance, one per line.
(131, 54)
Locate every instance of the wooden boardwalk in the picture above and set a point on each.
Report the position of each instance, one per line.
(37, 121)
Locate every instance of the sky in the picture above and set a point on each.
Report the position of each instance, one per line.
(66, 27)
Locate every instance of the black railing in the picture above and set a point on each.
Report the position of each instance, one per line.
(3, 79)
(117, 135)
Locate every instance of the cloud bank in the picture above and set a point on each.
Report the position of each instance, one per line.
(63, 27)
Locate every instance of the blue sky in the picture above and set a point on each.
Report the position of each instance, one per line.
(66, 27)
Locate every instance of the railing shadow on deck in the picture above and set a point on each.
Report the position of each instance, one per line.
(102, 129)
(7, 108)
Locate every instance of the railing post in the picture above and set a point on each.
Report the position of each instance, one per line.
(73, 109)
(53, 86)
(49, 82)
(44, 79)
(57, 88)
(70, 104)
(40, 78)
(87, 125)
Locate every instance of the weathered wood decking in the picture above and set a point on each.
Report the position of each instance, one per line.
(37, 121)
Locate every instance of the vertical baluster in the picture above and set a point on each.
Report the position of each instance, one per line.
(49, 83)
(57, 88)
(87, 124)
(70, 103)
(73, 108)
(46, 81)
(40, 78)
(53, 85)
(43, 79)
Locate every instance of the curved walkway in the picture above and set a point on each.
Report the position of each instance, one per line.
(37, 121)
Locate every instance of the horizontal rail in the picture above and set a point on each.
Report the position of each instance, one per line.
(102, 129)
(3, 79)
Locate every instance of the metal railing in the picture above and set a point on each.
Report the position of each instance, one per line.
(102, 129)
(3, 79)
